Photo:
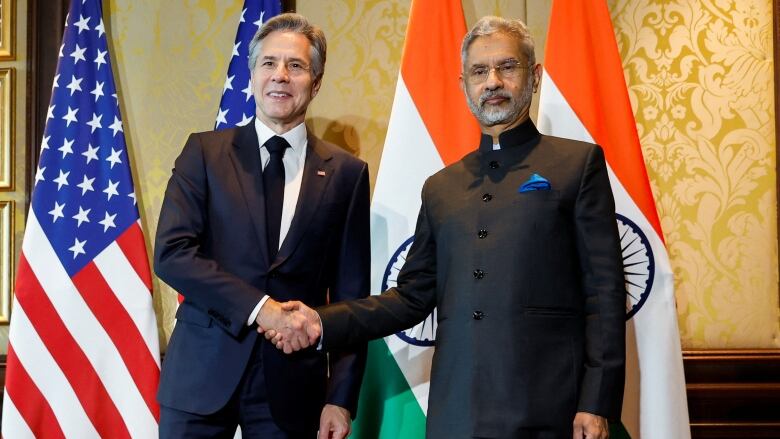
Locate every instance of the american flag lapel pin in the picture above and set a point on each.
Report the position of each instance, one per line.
(320, 173)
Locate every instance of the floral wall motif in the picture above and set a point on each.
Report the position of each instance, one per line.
(700, 76)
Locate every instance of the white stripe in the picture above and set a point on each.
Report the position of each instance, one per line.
(132, 294)
(14, 426)
(408, 158)
(87, 331)
(663, 411)
(47, 375)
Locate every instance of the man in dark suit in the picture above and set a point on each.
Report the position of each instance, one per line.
(253, 215)
(517, 247)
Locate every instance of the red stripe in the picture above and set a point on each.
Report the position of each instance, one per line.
(131, 241)
(119, 326)
(83, 378)
(29, 400)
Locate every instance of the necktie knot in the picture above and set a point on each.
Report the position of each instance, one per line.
(276, 145)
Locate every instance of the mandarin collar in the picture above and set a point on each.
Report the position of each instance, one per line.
(514, 137)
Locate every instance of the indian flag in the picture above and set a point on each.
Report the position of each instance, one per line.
(584, 97)
(430, 127)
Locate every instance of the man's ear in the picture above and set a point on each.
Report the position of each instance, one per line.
(537, 71)
(316, 86)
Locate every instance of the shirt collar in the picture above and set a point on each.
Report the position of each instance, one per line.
(296, 137)
(516, 136)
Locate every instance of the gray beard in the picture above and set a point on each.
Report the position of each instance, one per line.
(496, 116)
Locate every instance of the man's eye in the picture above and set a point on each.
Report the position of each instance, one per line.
(479, 71)
(507, 68)
(268, 64)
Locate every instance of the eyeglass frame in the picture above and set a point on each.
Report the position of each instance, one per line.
(473, 79)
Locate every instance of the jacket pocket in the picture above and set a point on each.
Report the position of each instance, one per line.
(189, 314)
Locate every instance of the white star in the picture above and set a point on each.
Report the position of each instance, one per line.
(95, 122)
(259, 21)
(114, 157)
(107, 222)
(242, 16)
(39, 175)
(78, 248)
(101, 30)
(221, 117)
(110, 190)
(116, 126)
(90, 153)
(245, 120)
(132, 195)
(50, 113)
(78, 54)
(86, 185)
(56, 81)
(67, 147)
(82, 23)
(98, 91)
(75, 84)
(81, 217)
(235, 49)
(100, 58)
(228, 83)
(248, 90)
(115, 97)
(62, 46)
(56, 213)
(62, 180)
(45, 143)
(71, 116)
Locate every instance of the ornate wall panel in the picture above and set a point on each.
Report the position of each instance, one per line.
(6, 258)
(700, 77)
(7, 29)
(6, 128)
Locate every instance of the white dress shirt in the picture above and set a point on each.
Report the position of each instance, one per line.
(293, 161)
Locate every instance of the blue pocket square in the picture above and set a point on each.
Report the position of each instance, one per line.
(535, 183)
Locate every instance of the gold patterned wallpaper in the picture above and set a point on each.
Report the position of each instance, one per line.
(700, 79)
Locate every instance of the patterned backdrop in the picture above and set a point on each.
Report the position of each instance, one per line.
(700, 79)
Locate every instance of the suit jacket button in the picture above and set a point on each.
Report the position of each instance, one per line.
(478, 274)
(487, 197)
(478, 315)
(482, 234)
(493, 164)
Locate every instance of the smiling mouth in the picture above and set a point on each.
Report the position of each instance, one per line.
(278, 94)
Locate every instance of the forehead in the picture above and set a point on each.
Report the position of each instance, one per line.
(280, 44)
(490, 49)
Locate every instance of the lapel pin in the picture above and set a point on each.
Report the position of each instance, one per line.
(321, 173)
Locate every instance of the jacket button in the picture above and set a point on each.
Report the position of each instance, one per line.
(478, 274)
(487, 197)
(493, 165)
(478, 315)
(482, 234)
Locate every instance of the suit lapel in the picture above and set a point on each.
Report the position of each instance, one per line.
(317, 173)
(246, 160)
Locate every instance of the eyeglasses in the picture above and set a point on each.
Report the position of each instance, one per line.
(506, 70)
(293, 68)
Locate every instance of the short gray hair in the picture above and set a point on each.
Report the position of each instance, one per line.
(291, 22)
(490, 25)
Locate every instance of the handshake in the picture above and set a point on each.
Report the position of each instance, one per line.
(290, 326)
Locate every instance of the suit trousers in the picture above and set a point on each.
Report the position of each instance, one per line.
(248, 408)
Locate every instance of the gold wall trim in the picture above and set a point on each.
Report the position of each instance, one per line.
(6, 129)
(6, 258)
(7, 25)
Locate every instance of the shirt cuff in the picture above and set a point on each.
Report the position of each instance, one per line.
(322, 333)
(256, 310)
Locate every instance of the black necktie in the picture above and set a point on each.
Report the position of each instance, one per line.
(273, 184)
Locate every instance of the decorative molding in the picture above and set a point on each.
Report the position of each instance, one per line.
(6, 259)
(7, 30)
(6, 129)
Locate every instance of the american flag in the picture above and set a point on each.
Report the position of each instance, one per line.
(83, 356)
(237, 106)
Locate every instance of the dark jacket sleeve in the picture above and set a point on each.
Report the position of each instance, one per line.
(397, 308)
(179, 259)
(601, 262)
(352, 281)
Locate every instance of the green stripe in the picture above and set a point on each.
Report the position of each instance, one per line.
(617, 431)
(387, 407)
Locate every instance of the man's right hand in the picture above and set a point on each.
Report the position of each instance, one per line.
(291, 326)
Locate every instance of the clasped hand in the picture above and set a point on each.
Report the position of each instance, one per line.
(290, 326)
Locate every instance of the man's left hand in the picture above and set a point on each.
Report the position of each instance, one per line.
(335, 422)
(588, 426)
